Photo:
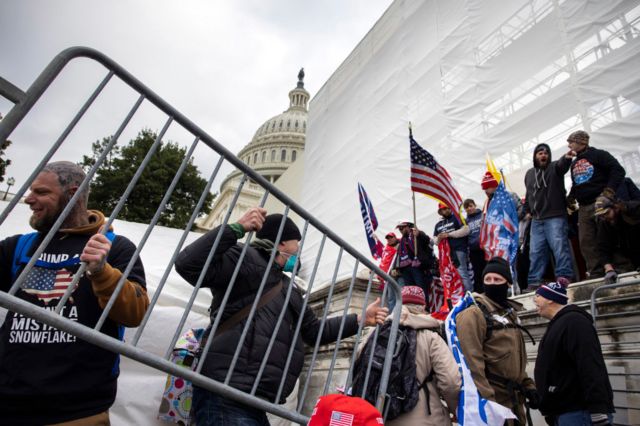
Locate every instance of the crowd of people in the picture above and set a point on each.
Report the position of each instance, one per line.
(48, 376)
(602, 209)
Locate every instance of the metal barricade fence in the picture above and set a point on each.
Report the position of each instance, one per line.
(25, 101)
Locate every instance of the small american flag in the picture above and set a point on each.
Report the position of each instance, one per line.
(47, 284)
(436, 295)
(430, 178)
(341, 419)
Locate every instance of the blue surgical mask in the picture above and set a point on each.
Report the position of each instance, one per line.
(291, 263)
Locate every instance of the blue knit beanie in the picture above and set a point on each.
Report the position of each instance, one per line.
(554, 292)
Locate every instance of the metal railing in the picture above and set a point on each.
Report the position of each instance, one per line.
(25, 101)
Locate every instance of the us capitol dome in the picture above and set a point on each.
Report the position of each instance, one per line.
(274, 147)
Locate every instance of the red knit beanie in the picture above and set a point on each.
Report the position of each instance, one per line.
(488, 181)
(413, 295)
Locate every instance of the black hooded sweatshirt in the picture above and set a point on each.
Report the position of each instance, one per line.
(570, 372)
(592, 171)
(546, 195)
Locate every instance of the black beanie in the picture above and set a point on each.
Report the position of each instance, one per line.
(269, 230)
(499, 266)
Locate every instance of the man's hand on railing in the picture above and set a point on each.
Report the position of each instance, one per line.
(253, 219)
(375, 314)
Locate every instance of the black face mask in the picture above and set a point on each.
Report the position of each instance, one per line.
(497, 293)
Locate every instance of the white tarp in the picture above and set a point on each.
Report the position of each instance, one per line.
(473, 77)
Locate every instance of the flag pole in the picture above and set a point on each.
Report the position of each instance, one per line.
(503, 179)
(413, 198)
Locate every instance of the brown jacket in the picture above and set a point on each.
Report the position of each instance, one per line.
(132, 301)
(432, 354)
(503, 354)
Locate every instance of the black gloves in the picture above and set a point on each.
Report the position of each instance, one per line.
(611, 277)
(532, 398)
(609, 193)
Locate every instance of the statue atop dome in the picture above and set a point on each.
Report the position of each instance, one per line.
(301, 78)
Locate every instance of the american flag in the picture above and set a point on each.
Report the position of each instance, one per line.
(341, 419)
(436, 296)
(47, 284)
(499, 232)
(430, 178)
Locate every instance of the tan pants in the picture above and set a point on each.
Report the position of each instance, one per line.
(101, 419)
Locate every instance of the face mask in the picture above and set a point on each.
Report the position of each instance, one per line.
(291, 262)
(497, 293)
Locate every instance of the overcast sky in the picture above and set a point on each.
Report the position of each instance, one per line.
(226, 65)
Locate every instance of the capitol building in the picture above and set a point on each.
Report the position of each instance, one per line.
(275, 146)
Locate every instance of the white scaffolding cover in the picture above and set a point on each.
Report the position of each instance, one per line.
(474, 77)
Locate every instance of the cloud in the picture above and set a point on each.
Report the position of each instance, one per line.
(228, 66)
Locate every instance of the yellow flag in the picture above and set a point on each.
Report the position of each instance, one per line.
(491, 167)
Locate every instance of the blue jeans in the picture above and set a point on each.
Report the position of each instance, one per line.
(391, 298)
(463, 269)
(210, 409)
(549, 235)
(416, 276)
(576, 418)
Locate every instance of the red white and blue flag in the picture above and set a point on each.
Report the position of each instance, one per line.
(339, 418)
(430, 178)
(499, 232)
(47, 284)
(370, 221)
(450, 280)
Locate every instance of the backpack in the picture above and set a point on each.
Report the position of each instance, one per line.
(492, 323)
(403, 386)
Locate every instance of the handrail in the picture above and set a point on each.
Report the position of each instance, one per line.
(594, 311)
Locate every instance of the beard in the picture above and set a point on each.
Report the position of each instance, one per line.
(45, 223)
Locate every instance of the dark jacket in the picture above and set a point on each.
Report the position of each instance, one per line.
(406, 248)
(474, 221)
(218, 276)
(546, 195)
(623, 236)
(450, 224)
(50, 376)
(570, 372)
(592, 171)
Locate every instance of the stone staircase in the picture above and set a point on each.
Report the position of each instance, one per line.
(618, 324)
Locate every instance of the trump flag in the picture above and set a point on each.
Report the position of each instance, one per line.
(370, 221)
